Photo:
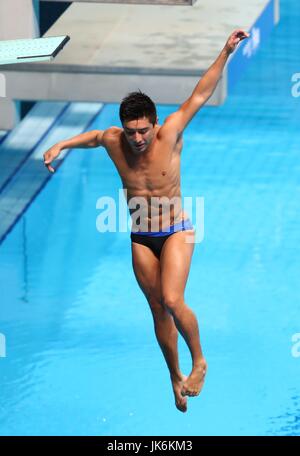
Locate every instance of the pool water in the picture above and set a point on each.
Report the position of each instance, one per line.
(81, 355)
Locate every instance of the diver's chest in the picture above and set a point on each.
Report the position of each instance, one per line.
(158, 174)
(160, 170)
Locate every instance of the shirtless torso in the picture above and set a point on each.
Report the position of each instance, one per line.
(152, 176)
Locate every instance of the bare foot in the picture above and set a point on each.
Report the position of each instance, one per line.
(180, 402)
(195, 381)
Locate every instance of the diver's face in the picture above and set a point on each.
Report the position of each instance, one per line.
(139, 133)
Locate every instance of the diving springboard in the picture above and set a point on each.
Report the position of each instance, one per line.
(31, 50)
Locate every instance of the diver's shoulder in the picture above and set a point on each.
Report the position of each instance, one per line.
(113, 132)
(112, 138)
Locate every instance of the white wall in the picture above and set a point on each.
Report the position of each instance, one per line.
(18, 19)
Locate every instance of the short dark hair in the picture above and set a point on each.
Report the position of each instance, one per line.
(137, 105)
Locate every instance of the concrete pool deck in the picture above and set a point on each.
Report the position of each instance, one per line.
(163, 50)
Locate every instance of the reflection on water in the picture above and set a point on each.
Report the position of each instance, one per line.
(288, 423)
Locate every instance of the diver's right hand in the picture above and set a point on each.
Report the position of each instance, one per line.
(51, 155)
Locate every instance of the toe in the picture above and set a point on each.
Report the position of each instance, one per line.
(181, 405)
(182, 408)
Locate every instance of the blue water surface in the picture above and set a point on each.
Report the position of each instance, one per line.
(81, 355)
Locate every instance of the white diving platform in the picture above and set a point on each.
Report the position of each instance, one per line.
(161, 49)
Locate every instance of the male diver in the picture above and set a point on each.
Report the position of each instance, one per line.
(147, 158)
